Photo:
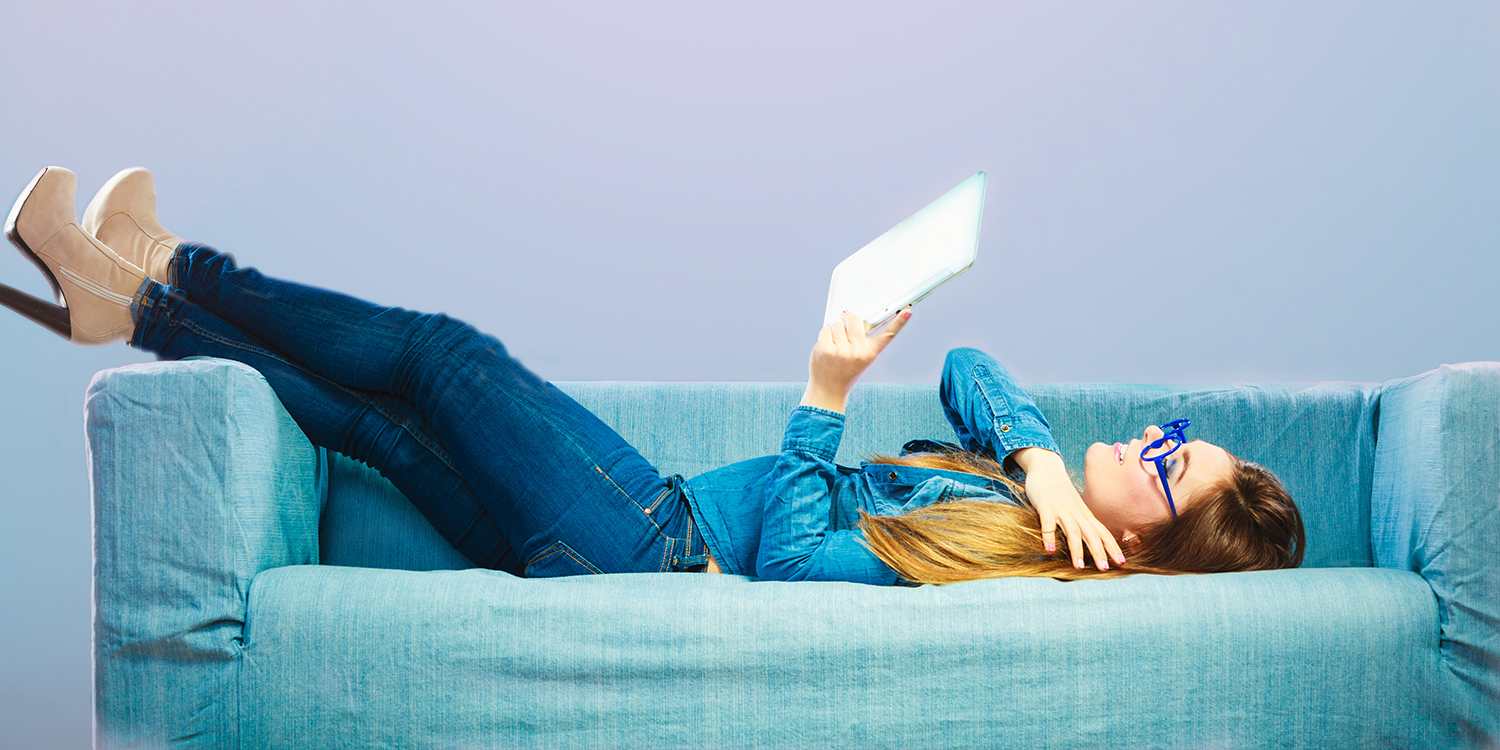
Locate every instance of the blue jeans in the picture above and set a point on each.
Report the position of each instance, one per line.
(513, 472)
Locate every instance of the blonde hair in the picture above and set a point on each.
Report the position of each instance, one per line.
(1247, 522)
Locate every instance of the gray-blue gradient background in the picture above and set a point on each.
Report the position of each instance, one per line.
(1180, 192)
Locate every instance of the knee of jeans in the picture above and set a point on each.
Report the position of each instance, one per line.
(455, 336)
(440, 329)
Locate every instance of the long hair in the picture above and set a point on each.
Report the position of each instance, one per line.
(1246, 522)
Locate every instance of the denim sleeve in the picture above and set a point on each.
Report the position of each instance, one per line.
(988, 410)
(795, 541)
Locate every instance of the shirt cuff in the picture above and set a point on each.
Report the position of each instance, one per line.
(814, 431)
(1012, 469)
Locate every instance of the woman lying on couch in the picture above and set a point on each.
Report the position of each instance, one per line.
(519, 477)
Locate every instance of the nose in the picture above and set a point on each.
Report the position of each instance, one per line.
(1151, 435)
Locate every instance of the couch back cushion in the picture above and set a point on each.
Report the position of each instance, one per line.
(1318, 439)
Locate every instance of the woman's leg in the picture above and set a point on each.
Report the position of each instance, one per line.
(376, 428)
(572, 494)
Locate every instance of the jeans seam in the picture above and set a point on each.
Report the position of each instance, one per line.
(560, 547)
(445, 351)
(308, 313)
(407, 340)
(405, 425)
(657, 501)
(314, 315)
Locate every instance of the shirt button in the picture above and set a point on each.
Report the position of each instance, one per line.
(1005, 428)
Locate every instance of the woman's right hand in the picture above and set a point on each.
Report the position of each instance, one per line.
(844, 351)
(1058, 504)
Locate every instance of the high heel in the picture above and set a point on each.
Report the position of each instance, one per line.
(122, 215)
(96, 284)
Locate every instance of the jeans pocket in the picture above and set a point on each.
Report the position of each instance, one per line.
(559, 560)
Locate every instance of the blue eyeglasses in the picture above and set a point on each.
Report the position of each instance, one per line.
(1171, 436)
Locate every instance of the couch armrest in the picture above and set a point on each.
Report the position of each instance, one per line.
(200, 480)
(1435, 510)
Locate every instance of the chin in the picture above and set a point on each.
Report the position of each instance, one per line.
(1096, 452)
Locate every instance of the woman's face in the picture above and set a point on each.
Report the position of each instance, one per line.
(1123, 491)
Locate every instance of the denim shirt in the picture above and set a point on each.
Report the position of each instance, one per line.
(794, 516)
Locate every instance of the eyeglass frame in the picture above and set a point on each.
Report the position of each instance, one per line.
(1170, 431)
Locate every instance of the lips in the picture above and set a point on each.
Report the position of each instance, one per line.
(1119, 454)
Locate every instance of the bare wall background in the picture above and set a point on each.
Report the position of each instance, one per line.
(1180, 192)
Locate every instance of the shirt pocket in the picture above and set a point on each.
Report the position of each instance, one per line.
(929, 492)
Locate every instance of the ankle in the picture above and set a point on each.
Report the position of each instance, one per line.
(147, 304)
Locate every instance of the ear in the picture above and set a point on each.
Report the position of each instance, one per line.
(1129, 542)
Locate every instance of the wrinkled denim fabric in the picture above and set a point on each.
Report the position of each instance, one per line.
(509, 469)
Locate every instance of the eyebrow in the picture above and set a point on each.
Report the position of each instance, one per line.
(1186, 459)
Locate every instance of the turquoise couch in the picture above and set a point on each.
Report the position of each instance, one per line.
(252, 591)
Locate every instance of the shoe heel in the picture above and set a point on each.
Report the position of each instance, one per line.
(46, 314)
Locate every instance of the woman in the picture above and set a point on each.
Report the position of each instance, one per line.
(519, 477)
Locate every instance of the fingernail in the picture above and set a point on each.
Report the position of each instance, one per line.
(905, 315)
(1120, 559)
(1051, 548)
(1078, 564)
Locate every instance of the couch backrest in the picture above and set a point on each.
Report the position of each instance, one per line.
(1319, 439)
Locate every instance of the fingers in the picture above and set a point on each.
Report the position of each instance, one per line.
(857, 329)
(1114, 551)
(1075, 543)
(1049, 530)
(854, 328)
(892, 328)
(1090, 535)
(1096, 550)
(825, 336)
(855, 325)
(1103, 548)
(841, 335)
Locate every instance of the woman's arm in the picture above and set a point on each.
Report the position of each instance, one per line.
(843, 352)
(795, 542)
(992, 414)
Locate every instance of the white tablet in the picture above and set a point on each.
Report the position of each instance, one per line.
(911, 260)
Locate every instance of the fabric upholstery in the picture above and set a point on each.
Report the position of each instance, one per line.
(217, 626)
(460, 659)
(217, 485)
(1437, 501)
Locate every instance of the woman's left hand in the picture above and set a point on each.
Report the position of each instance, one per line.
(1058, 503)
(844, 351)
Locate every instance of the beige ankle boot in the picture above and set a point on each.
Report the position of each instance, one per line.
(122, 215)
(96, 284)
